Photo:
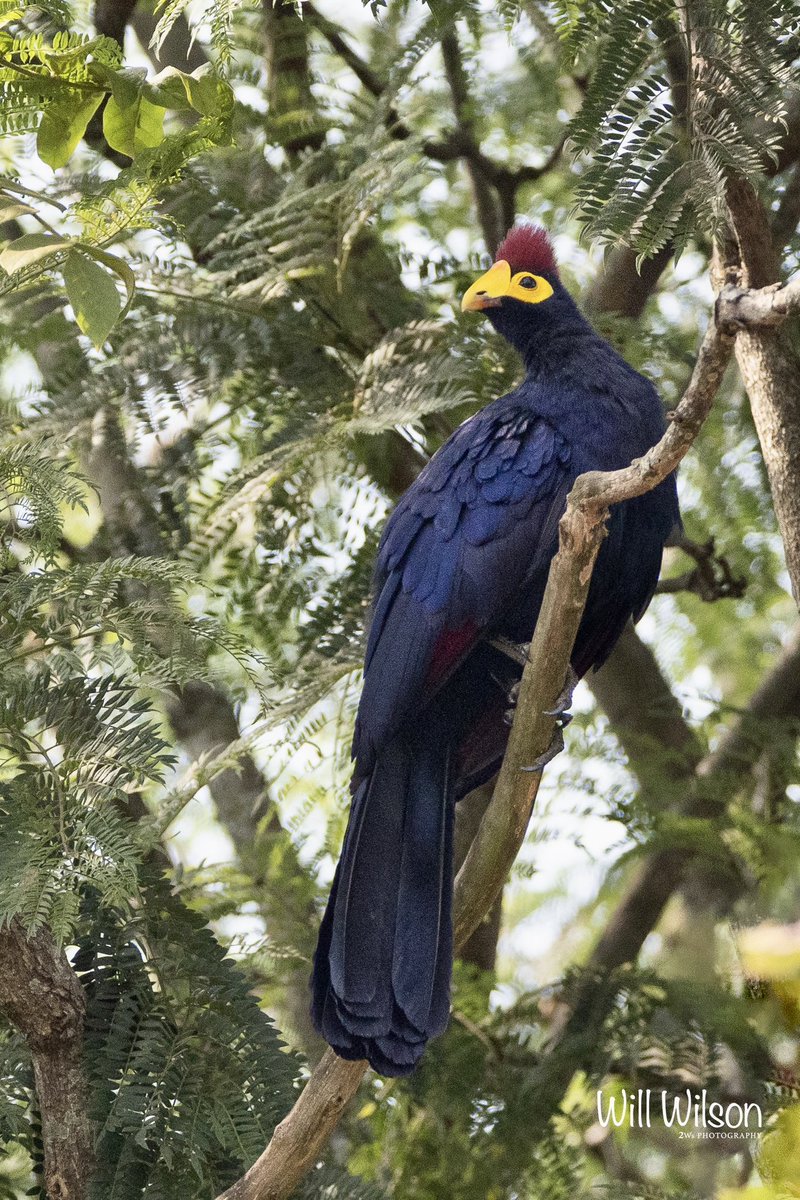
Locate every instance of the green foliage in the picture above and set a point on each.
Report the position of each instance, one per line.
(55, 86)
(661, 149)
(219, 14)
(193, 497)
(189, 1076)
(34, 487)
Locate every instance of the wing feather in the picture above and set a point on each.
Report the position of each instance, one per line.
(480, 519)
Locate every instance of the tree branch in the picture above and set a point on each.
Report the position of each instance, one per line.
(292, 109)
(486, 201)
(647, 718)
(620, 288)
(496, 213)
(299, 1139)
(770, 366)
(111, 17)
(41, 996)
(363, 72)
(178, 49)
(758, 308)
(711, 578)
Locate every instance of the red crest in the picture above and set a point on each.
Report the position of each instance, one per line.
(527, 247)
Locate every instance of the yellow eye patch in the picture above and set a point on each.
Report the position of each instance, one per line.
(489, 290)
(532, 289)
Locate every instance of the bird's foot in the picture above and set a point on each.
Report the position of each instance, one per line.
(563, 701)
(560, 712)
(516, 651)
(513, 697)
(554, 749)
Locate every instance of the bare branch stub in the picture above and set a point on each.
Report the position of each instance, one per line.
(759, 308)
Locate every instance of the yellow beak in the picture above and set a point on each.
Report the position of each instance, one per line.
(487, 291)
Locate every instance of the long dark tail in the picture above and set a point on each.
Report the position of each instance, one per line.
(381, 981)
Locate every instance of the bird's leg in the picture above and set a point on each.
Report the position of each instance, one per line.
(516, 651)
(560, 711)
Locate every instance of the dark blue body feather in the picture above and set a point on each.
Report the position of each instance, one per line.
(465, 556)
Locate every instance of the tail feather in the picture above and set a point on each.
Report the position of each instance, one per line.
(366, 899)
(381, 982)
(423, 931)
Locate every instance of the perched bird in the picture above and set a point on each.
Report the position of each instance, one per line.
(460, 576)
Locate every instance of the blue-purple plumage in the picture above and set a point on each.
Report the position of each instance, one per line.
(463, 558)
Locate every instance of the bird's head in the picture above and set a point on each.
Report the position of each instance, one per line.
(521, 292)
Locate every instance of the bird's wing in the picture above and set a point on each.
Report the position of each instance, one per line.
(481, 518)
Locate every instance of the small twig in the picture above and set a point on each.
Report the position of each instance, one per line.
(480, 1035)
(712, 577)
(461, 143)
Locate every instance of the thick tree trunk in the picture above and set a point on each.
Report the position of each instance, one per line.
(41, 996)
(770, 369)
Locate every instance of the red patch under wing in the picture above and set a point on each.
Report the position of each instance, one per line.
(449, 649)
(527, 247)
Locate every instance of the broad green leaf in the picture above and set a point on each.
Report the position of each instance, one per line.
(131, 123)
(205, 91)
(29, 248)
(167, 89)
(63, 125)
(11, 185)
(93, 295)
(118, 266)
(9, 209)
(771, 951)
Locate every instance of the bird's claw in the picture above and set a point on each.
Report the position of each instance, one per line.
(563, 701)
(562, 717)
(555, 748)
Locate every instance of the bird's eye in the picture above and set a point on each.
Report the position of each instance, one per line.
(527, 282)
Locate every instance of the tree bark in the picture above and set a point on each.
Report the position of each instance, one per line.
(41, 996)
(292, 108)
(622, 289)
(770, 370)
(480, 948)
